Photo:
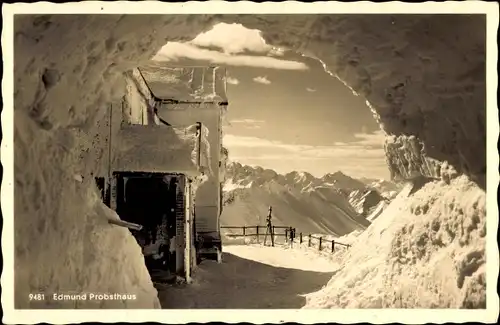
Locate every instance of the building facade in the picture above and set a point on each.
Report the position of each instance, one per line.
(163, 169)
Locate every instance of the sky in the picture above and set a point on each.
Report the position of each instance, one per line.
(285, 112)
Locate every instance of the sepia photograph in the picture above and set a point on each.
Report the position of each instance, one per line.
(226, 161)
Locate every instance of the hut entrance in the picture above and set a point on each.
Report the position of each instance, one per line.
(154, 201)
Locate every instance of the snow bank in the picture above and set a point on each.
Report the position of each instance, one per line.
(427, 250)
(113, 261)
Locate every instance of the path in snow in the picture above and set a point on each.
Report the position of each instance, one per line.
(252, 276)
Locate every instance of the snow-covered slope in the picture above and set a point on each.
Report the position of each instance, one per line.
(377, 210)
(298, 199)
(426, 250)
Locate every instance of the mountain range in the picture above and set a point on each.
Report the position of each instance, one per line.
(335, 204)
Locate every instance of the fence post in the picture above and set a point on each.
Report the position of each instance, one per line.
(300, 237)
(244, 231)
(286, 235)
(257, 232)
(272, 235)
(320, 239)
(309, 242)
(333, 246)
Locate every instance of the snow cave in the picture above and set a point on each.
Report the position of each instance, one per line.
(427, 93)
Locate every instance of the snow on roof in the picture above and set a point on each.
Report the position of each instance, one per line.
(160, 148)
(186, 84)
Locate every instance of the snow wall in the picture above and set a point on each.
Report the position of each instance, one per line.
(426, 250)
(431, 87)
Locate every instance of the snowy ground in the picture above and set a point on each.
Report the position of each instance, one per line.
(252, 276)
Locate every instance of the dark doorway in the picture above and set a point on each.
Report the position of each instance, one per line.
(144, 201)
(149, 199)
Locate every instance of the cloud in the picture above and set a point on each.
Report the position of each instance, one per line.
(233, 39)
(174, 51)
(367, 140)
(375, 139)
(262, 80)
(232, 81)
(365, 157)
(247, 120)
(363, 148)
(311, 90)
(247, 123)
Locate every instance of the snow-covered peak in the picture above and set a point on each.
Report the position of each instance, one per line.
(343, 181)
(243, 175)
(387, 188)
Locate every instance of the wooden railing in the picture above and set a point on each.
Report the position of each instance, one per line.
(322, 242)
(259, 231)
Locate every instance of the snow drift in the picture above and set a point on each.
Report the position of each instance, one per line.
(426, 250)
(64, 80)
(101, 258)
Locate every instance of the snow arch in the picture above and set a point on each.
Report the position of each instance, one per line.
(424, 80)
